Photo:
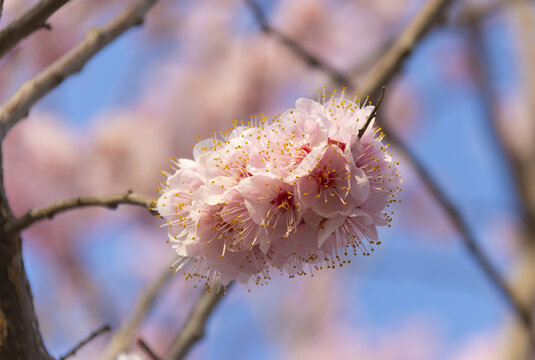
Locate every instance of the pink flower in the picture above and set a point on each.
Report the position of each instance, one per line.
(297, 194)
(329, 183)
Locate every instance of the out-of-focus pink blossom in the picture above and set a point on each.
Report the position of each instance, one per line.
(294, 194)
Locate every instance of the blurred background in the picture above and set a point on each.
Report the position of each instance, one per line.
(463, 102)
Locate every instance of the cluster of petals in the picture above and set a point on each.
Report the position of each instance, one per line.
(294, 194)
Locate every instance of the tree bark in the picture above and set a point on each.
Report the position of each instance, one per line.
(19, 330)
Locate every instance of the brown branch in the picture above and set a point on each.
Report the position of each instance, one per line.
(195, 325)
(19, 329)
(146, 348)
(430, 15)
(522, 283)
(1, 8)
(20, 337)
(32, 20)
(124, 336)
(373, 113)
(19, 105)
(109, 201)
(467, 236)
(385, 71)
(387, 67)
(364, 65)
(297, 49)
(91, 336)
(474, 14)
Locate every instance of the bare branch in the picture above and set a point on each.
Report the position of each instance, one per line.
(473, 14)
(91, 336)
(522, 283)
(364, 65)
(194, 329)
(19, 105)
(429, 16)
(1, 8)
(32, 20)
(125, 335)
(19, 329)
(467, 236)
(109, 201)
(298, 50)
(385, 71)
(146, 348)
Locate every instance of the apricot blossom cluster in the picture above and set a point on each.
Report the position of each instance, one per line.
(296, 194)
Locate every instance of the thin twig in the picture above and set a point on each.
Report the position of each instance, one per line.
(124, 336)
(195, 325)
(298, 50)
(32, 20)
(91, 336)
(373, 113)
(387, 67)
(108, 201)
(146, 348)
(19, 105)
(467, 236)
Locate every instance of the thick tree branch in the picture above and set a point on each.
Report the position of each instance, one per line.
(109, 201)
(195, 325)
(430, 15)
(32, 20)
(85, 341)
(19, 329)
(19, 105)
(125, 335)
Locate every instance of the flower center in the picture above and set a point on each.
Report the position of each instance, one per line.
(326, 178)
(340, 144)
(284, 200)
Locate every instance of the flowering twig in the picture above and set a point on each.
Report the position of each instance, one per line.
(195, 325)
(146, 348)
(91, 336)
(126, 333)
(19, 105)
(373, 113)
(298, 50)
(32, 20)
(386, 68)
(109, 201)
